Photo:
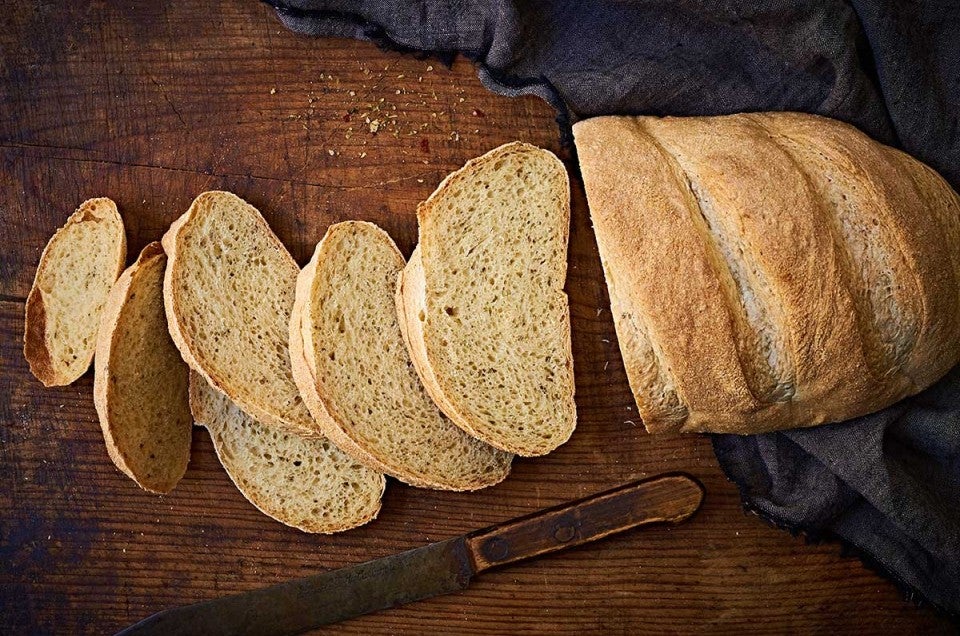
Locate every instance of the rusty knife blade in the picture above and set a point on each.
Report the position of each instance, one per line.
(297, 606)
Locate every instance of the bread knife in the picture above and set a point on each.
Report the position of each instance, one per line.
(438, 568)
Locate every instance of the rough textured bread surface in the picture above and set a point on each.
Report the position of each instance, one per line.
(483, 303)
(355, 374)
(140, 381)
(228, 292)
(770, 270)
(77, 268)
(306, 483)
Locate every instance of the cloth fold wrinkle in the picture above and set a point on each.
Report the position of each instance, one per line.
(887, 485)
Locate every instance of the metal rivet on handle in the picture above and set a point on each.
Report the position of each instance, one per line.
(564, 531)
(496, 549)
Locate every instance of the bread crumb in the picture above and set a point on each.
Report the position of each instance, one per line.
(273, 91)
(331, 152)
(429, 68)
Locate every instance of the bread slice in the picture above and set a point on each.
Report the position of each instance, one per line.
(483, 304)
(140, 381)
(305, 483)
(355, 374)
(77, 268)
(228, 292)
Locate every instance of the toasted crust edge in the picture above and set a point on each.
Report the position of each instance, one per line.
(35, 348)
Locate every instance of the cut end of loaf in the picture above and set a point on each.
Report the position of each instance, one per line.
(77, 268)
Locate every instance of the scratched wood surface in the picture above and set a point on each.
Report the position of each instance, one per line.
(152, 103)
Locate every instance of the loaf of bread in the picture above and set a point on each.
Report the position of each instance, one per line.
(77, 269)
(482, 300)
(140, 381)
(355, 374)
(770, 271)
(308, 484)
(228, 291)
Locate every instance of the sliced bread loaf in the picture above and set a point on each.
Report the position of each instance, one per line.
(228, 292)
(812, 272)
(77, 268)
(483, 304)
(305, 483)
(355, 374)
(140, 381)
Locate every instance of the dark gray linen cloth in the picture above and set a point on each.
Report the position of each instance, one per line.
(887, 486)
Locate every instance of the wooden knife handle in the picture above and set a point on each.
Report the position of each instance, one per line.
(670, 498)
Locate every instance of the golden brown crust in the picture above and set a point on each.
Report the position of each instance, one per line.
(737, 206)
(103, 386)
(36, 349)
(35, 340)
(922, 282)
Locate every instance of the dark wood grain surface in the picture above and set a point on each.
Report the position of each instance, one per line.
(151, 103)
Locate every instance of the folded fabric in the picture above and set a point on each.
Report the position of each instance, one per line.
(886, 485)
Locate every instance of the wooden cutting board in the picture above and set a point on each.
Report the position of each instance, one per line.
(152, 103)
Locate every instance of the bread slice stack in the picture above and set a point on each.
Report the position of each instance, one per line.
(482, 300)
(313, 385)
(355, 374)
